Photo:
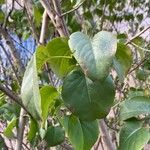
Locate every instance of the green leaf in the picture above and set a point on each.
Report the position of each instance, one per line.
(37, 16)
(30, 90)
(58, 55)
(82, 134)
(2, 1)
(87, 99)
(48, 94)
(90, 133)
(2, 16)
(142, 74)
(74, 131)
(2, 143)
(122, 61)
(135, 106)
(8, 132)
(94, 56)
(33, 130)
(133, 136)
(54, 136)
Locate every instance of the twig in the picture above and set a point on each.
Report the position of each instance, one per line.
(12, 47)
(13, 96)
(74, 9)
(137, 35)
(30, 21)
(20, 130)
(110, 126)
(67, 147)
(8, 15)
(43, 28)
(139, 64)
(13, 67)
(98, 143)
(147, 50)
(20, 45)
(57, 21)
(103, 14)
(60, 20)
(106, 137)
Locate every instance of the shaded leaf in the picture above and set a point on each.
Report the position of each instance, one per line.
(30, 90)
(94, 56)
(135, 106)
(87, 99)
(54, 136)
(33, 130)
(123, 60)
(82, 134)
(58, 55)
(48, 94)
(133, 136)
(2, 143)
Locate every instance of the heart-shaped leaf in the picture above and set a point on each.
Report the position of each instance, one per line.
(87, 99)
(94, 56)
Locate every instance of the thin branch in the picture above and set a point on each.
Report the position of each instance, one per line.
(13, 67)
(29, 17)
(66, 146)
(20, 45)
(8, 15)
(103, 15)
(137, 35)
(74, 9)
(98, 143)
(60, 20)
(12, 48)
(43, 28)
(147, 50)
(13, 96)
(139, 64)
(57, 21)
(20, 130)
(42, 41)
(105, 136)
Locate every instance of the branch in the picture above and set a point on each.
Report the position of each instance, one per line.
(12, 48)
(57, 21)
(29, 17)
(13, 97)
(74, 9)
(13, 67)
(139, 64)
(42, 40)
(43, 28)
(60, 20)
(8, 15)
(20, 130)
(137, 35)
(106, 137)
